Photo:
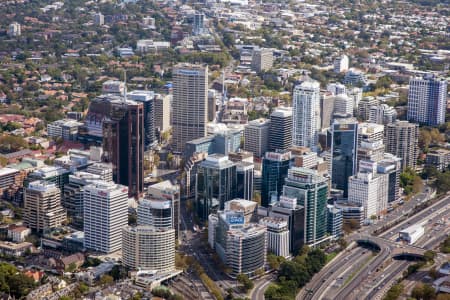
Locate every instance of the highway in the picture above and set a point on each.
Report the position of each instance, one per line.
(317, 288)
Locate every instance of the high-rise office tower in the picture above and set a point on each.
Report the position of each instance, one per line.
(244, 177)
(51, 174)
(148, 247)
(162, 113)
(147, 99)
(104, 170)
(42, 206)
(344, 143)
(382, 114)
(123, 144)
(356, 94)
(216, 184)
(275, 168)
(262, 59)
(311, 192)
(256, 137)
(427, 100)
(105, 214)
(288, 209)
(306, 114)
(190, 103)
(280, 131)
(402, 140)
(369, 189)
(161, 208)
(326, 109)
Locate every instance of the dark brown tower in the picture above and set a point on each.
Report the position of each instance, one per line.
(123, 144)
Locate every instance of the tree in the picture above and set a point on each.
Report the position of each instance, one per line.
(245, 281)
(429, 255)
(423, 292)
(71, 267)
(106, 280)
(275, 261)
(394, 292)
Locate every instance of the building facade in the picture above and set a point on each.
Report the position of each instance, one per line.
(105, 214)
(280, 131)
(275, 167)
(306, 114)
(402, 140)
(148, 248)
(189, 104)
(216, 184)
(311, 192)
(42, 206)
(427, 100)
(256, 137)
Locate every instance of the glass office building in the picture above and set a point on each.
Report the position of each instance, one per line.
(311, 192)
(343, 148)
(274, 170)
(216, 184)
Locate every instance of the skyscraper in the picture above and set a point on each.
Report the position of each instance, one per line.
(344, 134)
(244, 177)
(190, 103)
(42, 206)
(275, 167)
(402, 140)
(306, 114)
(427, 100)
(123, 144)
(369, 189)
(147, 98)
(311, 192)
(161, 208)
(256, 137)
(280, 131)
(105, 213)
(216, 184)
(149, 248)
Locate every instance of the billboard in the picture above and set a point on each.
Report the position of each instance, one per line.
(235, 218)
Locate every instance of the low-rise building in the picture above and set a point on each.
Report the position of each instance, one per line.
(438, 158)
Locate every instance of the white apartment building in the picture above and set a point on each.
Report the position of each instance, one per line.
(256, 137)
(306, 114)
(148, 248)
(105, 213)
(343, 105)
(277, 235)
(14, 30)
(336, 88)
(341, 64)
(42, 206)
(382, 114)
(370, 132)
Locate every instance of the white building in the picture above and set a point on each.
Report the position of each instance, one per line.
(277, 235)
(14, 30)
(105, 213)
(306, 114)
(256, 137)
(151, 45)
(370, 132)
(99, 19)
(66, 129)
(343, 105)
(369, 189)
(356, 94)
(382, 114)
(149, 248)
(213, 220)
(427, 100)
(411, 234)
(336, 88)
(341, 64)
